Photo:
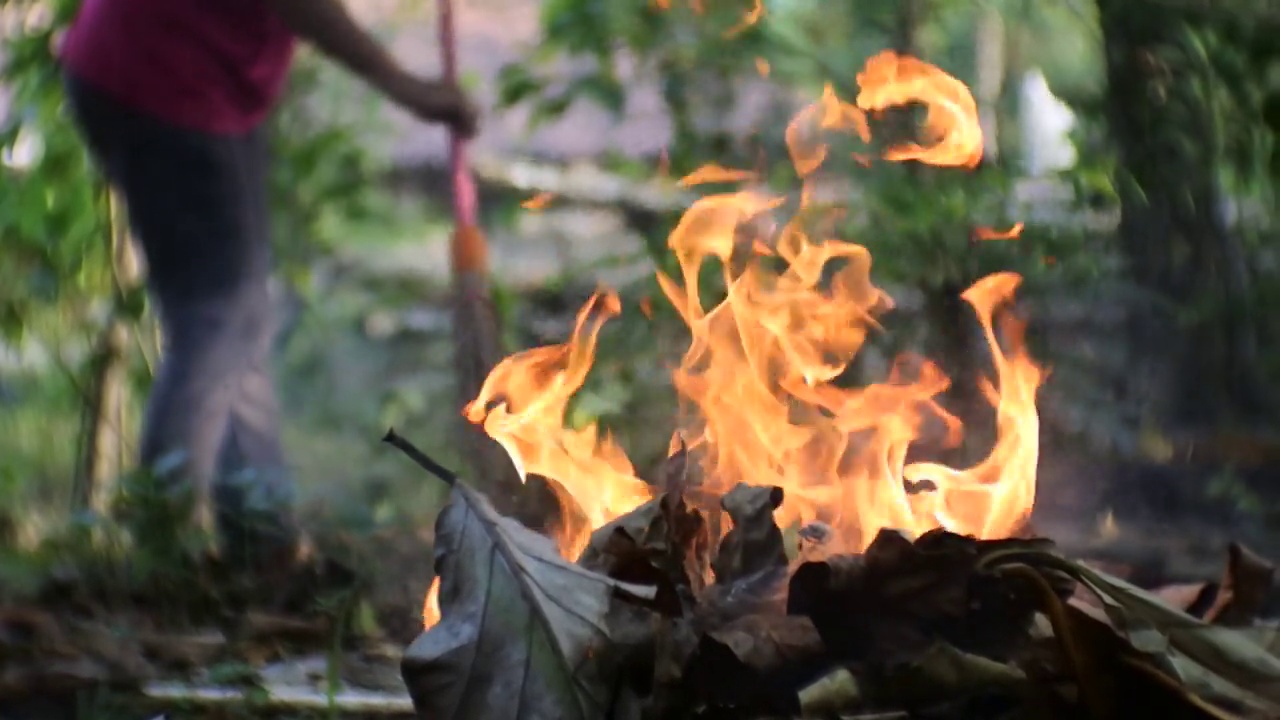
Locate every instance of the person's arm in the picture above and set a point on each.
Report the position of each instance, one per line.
(328, 26)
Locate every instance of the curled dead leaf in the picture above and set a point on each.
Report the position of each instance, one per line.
(755, 542)
(1195, 599)
(1244, 590)
(663, 543)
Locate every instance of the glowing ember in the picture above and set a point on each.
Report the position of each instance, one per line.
(760, 370)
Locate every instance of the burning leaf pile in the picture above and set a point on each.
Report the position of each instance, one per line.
(649, 623)
(789, 561)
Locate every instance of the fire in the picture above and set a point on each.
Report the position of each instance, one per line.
(951, 124)
(522, 406)
(541, 201)
(713, 173)
(760, 376)
(752, 18)
(986, 233)
(431, 604)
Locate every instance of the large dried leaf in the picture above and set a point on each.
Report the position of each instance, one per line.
(523, 633)
(1219, 663)
(1111, 679)
(1194, 599)
(755, 543)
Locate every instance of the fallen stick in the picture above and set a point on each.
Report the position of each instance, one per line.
(368, 702)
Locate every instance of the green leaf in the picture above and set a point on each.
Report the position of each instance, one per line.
(132, 304)
(516, 84)
(549, 109)
(602, 88)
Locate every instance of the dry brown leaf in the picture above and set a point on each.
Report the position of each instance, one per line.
(1246, 584)
(1195, 599)
(757, 662)
(663, 543)
(899, 597)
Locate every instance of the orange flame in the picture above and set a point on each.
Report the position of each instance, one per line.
(890, 80)
(523, 404)
(986, 233)
(829, 114)
(752, 17)
(431, 605)
(714, 173)
(538, 202)
(763, 364)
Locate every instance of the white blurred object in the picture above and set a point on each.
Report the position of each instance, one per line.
(26, 149)
(1045, 122)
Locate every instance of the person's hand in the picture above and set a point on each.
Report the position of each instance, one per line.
(438, 101)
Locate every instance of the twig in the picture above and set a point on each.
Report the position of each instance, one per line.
(284, 698)
(426, 463)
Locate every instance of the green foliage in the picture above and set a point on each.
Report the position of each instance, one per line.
(322, 182)
(57, 279)
(53, 217)
(1236, 73)
(612, 44)
(53, 214)
(919, 224)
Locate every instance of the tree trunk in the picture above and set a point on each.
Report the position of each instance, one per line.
(951, 322)
(106, 433)
(988, 80)
(1171, 230)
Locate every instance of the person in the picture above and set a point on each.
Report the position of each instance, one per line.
(171, 97)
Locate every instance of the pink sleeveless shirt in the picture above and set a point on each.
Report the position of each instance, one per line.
(215, 66)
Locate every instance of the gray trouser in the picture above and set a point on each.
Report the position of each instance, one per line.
(197, 205)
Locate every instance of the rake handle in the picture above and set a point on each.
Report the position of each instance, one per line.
(464, 185)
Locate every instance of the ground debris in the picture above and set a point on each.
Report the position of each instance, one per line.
(42, 652)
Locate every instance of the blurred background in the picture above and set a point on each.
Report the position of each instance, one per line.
(1135, 138)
